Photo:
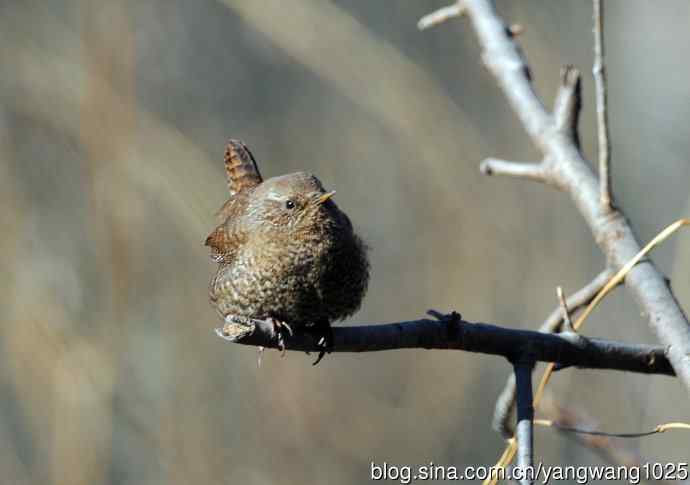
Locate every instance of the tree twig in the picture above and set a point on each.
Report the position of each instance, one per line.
(529, 171)
(525, 420)
(441, 15)
(576, 301)
(599, 73)
(662, 428)
(567, 323)
(612, 450)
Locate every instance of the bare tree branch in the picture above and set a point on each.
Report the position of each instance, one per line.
(453, 333)
(606, 447)
(611, 230)
(610, 449)
(440, 15)
(592, 432)
(599, 73)
(530, 171)
(525, 420)
(567, 323)
(576, 301)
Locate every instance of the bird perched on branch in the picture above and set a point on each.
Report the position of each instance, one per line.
(285, 252)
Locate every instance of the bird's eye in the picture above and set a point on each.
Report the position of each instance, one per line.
(289, 204)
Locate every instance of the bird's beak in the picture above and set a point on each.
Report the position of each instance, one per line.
(324, 197)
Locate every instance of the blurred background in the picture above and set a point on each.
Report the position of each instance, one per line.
(113, 121)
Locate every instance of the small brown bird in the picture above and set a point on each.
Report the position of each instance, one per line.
(285, 251)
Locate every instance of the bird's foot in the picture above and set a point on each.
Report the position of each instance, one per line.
(282, 330)
(236, 327)
(323, 334)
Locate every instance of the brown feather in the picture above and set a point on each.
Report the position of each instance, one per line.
(217, 241)
(240, 167)
(227, 210)
(230, 233)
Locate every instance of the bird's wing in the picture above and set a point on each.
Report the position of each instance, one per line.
(226, 239)
(243, 175)
(240, 168)
(225, 243)
(227, 210)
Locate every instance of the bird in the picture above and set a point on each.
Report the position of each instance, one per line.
(285, 252)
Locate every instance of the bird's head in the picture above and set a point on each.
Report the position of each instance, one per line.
(291, 203)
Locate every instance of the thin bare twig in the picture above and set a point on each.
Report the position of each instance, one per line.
(529, 171)
(612, 450)
(525, 418)
(662, 428)
(441, 15)
(599, 73)
(576, 301)
(566, 112)
(567, 323)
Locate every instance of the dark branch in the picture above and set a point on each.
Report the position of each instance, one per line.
(456, 334)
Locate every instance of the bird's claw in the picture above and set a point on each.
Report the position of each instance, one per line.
(235, 328)
(281, 328)
(287, 327)
(324, 332)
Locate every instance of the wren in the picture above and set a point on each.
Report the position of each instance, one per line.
(285, 251)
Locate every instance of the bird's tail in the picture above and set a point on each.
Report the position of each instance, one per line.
(240, 167)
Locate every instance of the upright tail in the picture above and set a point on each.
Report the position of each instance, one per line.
(240, 167)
